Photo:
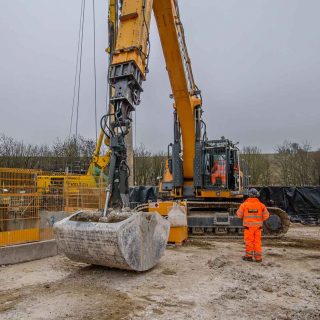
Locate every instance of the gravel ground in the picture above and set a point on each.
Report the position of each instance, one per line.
(204, 279)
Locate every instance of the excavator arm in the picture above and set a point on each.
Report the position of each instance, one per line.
(187, 97)
(99, 162)
(126, 74)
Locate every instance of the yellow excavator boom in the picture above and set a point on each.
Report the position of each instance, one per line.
(185, 98)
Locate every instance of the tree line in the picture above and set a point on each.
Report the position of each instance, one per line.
(73, 152)
(292, 163)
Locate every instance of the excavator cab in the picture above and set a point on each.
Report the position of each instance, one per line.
(221, 166)
(219, 170)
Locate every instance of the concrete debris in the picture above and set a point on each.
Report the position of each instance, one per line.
(116, 216)
(267, 288)
(86, 216)
(217, 263)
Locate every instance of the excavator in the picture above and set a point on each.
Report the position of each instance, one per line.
(204, 180)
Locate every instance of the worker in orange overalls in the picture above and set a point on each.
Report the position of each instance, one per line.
(253, 212)
(218, 172)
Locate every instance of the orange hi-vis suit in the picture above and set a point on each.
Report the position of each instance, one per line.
(253, 212)
(218, 174)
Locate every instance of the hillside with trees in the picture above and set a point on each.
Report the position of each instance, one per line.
(292, 164)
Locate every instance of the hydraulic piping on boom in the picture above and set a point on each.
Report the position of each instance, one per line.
(126, 73)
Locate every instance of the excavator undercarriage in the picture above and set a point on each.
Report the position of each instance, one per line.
(219, 219)
(216, 219)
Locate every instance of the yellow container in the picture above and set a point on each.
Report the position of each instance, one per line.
(178, 235)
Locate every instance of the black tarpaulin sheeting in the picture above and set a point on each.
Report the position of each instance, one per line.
(301, 203)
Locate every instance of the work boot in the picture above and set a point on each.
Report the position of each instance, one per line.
(258, 260)
(245, 258)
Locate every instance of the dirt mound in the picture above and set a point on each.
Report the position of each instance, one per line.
(218, 262)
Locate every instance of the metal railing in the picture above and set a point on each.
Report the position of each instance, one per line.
(31, 201)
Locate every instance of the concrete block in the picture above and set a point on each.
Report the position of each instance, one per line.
(27, 252)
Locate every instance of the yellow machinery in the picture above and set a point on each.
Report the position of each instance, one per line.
(96, 174)
(204, 175)
(203, 182)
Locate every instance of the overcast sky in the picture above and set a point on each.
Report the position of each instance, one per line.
(257, 63)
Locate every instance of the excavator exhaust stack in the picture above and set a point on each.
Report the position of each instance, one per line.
(123, 240)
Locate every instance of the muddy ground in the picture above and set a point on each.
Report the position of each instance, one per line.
(200, 280)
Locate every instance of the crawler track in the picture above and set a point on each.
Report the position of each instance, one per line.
(235, 232)
(231, 231)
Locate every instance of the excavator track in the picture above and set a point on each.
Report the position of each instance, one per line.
(275, 227)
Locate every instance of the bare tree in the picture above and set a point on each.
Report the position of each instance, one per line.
(258, 165)
(158, 162)
(141, 165)
(147, 166)
(296, 164)
(17, 154)
(316, 157)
